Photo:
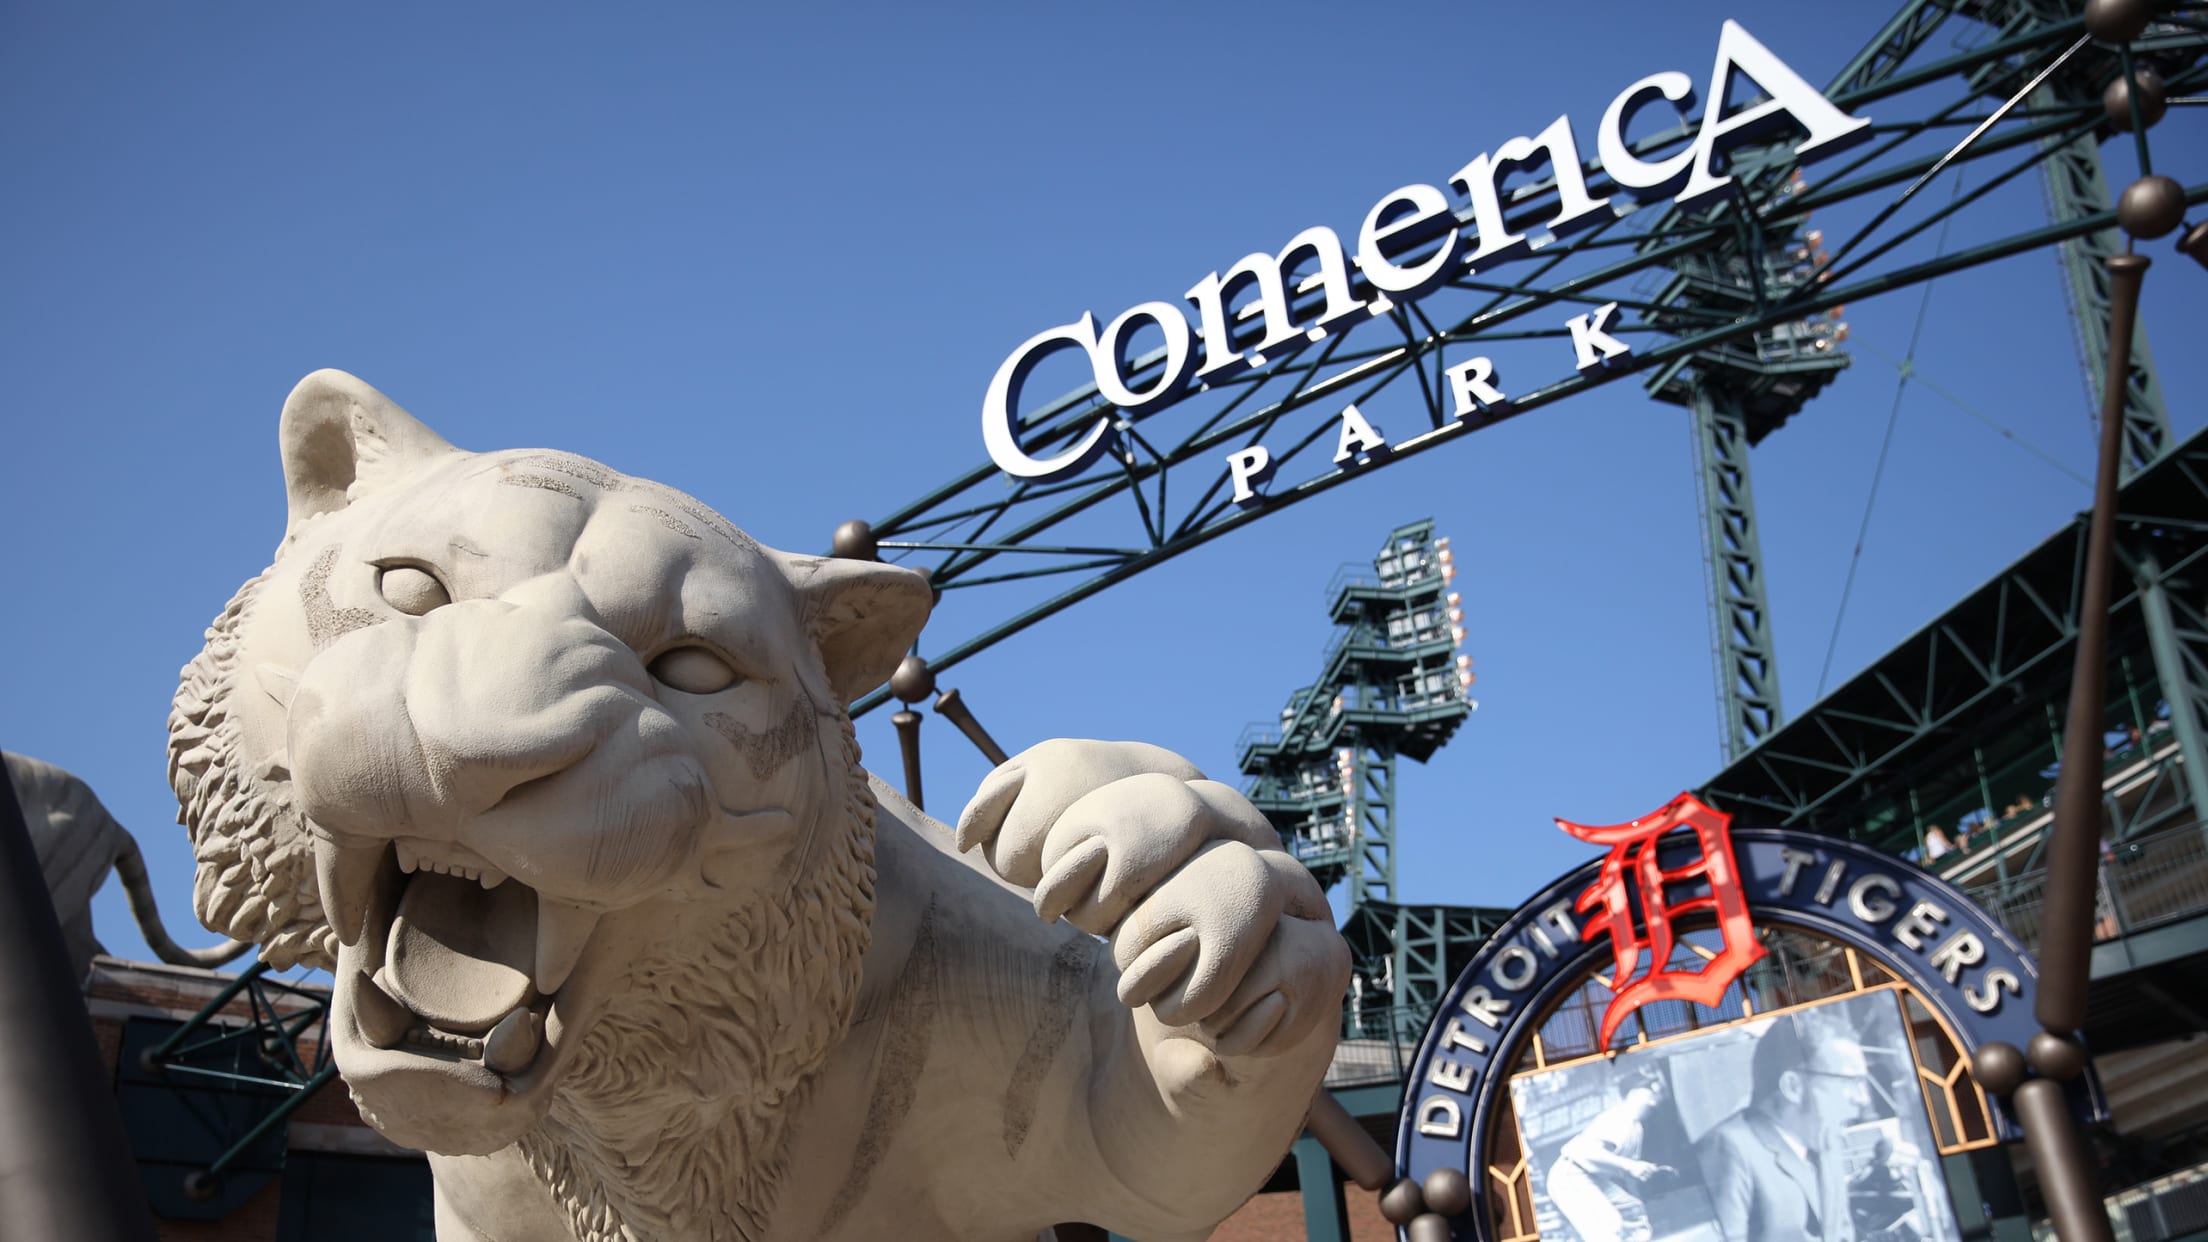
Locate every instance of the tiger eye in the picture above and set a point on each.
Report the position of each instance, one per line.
(411, 590)
(693, 670)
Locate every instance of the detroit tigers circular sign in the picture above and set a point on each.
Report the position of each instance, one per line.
(1723, 1035)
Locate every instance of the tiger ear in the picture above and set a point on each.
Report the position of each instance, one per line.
(341, 438)
(864, 616)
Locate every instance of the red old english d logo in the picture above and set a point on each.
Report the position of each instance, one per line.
(1632, 864)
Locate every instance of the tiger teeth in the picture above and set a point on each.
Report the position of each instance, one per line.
(382, 1021)
(412, 860)
(513, 1043)
(562, 932)
(345, 874)
(426, 1036)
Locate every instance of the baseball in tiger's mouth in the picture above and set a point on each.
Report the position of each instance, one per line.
(448, 967)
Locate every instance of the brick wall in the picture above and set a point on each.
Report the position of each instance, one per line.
(1279, 1218)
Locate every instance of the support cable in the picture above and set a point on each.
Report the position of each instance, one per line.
(1907, 368)
(1992, 423)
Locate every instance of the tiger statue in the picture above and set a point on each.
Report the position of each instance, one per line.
(78, 844)
(553, 769)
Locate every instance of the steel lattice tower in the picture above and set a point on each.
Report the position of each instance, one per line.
(1392, 685)
(1389, 686)
(1737, 393)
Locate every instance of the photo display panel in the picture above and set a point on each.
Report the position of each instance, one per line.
(1809, 1124)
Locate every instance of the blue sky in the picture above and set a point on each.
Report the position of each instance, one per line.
(772, 256)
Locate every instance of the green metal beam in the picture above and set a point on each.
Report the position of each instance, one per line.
(1985, 657)
(2077, 187)
(1747, 667)
(1325, 1210)
(1373, 803)
(2177, 635)
(1380, 1100)
(1890, 48)
(979, 515)
(1225, 519)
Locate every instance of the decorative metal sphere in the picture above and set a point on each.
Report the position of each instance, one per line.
(2056, 1056)
(854, 541)
(200, 1186)
(2194, 244)
(2151, 207)
(2117, 21)
(912, 681)
(1403, 1202)
(1429, 1228)
(1998, 1067)
(1448, 1191)
(2154, 99)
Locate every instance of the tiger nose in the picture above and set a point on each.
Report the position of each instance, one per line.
(503, 694)
(553, 595)
(417, 727)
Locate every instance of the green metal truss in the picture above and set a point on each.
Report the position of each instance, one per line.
(2077, 188)
(1404, 958)
(1965, 716)
(1893, 46)
(1989, 667)
(1165, 490)
(1738, 392)
(238, 1081)
(1747, 670)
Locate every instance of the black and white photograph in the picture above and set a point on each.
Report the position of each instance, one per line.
(1804, 1127)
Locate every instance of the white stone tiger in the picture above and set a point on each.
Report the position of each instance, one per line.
(552, 766)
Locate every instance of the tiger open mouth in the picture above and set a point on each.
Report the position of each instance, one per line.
(454, 970)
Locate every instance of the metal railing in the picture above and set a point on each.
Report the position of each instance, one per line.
(1257, 734)
(2163, 1210)
(2143, 882)
(1376, 1044)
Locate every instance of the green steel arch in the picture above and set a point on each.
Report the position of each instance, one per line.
(1732, 306)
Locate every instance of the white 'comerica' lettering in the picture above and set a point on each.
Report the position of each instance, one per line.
(1408, 247)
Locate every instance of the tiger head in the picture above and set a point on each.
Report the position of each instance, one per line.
(540, 760)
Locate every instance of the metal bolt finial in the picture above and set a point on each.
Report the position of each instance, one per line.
(1432, 1227)
(1403, 1202)
(2154, 99)
(854, 541)
(2151, 207)
(2117, 21)
(1448, 1191)
(1998, 1067)
(2055, 1056)
(912, 681)
(2194, 244)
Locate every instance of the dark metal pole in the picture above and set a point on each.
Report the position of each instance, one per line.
(2066, 1175)
(951, 707)
(908, 741)
(1346, 1141)
(2059, 1156)
(2073, 848)
(65, 1168)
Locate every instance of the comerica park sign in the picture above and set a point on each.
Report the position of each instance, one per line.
(1414, 240)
